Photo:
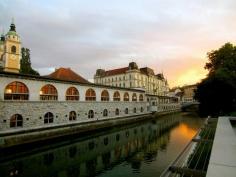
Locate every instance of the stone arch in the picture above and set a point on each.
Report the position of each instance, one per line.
(48, 92)
(72, 93)
(90, 95)
(16, 91)
(104, 95)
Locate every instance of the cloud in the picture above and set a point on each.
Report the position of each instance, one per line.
(167, 36)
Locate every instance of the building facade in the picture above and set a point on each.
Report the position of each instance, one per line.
(63, 98)
(133, 77)
(189, 93)
(10, 51)
(29, 102)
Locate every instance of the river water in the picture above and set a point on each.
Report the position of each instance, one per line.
(142, 149)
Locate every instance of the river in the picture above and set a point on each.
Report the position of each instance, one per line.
(141, 149)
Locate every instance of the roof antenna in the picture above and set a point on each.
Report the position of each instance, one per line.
(12, 20)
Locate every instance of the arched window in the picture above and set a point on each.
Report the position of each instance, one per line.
(141, 97)
(134, 97)
(72, 94)
(116, 96)
(90, 95)
(13, 49)
(48, 92)
(126, 111)
(117, 112)
(126, 96)
(16, 91)
(141, 109)
(105, 95)
(72, 115)
(48, 118)
(90, 114)
(135, 110)
(16, 121)
(105, 113)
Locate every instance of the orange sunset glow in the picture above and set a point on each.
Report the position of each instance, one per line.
(172, 38)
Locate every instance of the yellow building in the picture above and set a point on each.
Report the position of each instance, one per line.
(10, 51)
(188, 93)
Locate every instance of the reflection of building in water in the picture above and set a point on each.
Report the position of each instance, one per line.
(92, 156)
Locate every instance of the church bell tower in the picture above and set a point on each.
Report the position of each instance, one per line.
(12, 51)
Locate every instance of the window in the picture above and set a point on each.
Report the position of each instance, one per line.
(116, 96)
(134, 97)
(90, 114)
(105, 95)
(72, 94)
(48, 118)
(126, 96)
(16, 91)
(141, 109)
(13, 49)
(16, 121)
(90, 95)
(117, 112)
(72, 115)
(141, 97)
(105, 113)
(135, 110)
(126, 111)
(48, 92)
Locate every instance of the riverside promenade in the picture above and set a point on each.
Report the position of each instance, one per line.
(223, 158)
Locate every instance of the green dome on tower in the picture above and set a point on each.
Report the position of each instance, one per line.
(12, 30)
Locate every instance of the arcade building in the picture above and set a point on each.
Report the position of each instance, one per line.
(62, 98)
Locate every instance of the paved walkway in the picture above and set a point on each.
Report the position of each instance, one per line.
(223, 156)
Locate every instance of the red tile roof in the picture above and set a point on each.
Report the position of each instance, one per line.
(67, 74)
(116, 71)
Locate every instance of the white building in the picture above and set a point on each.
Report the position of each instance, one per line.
(64, 97)
(34, 102)
(134, 77)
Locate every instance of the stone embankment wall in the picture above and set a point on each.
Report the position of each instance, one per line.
(33, 112)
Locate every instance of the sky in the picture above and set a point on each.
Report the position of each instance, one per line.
(171, 37)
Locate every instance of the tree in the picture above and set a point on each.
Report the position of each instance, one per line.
(25, 63)
(217, 92)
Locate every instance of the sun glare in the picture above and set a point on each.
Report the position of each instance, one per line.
(191, 76)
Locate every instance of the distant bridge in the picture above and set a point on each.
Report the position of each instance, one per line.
(190, 106)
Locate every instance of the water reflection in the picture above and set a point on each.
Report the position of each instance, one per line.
(133, 145)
